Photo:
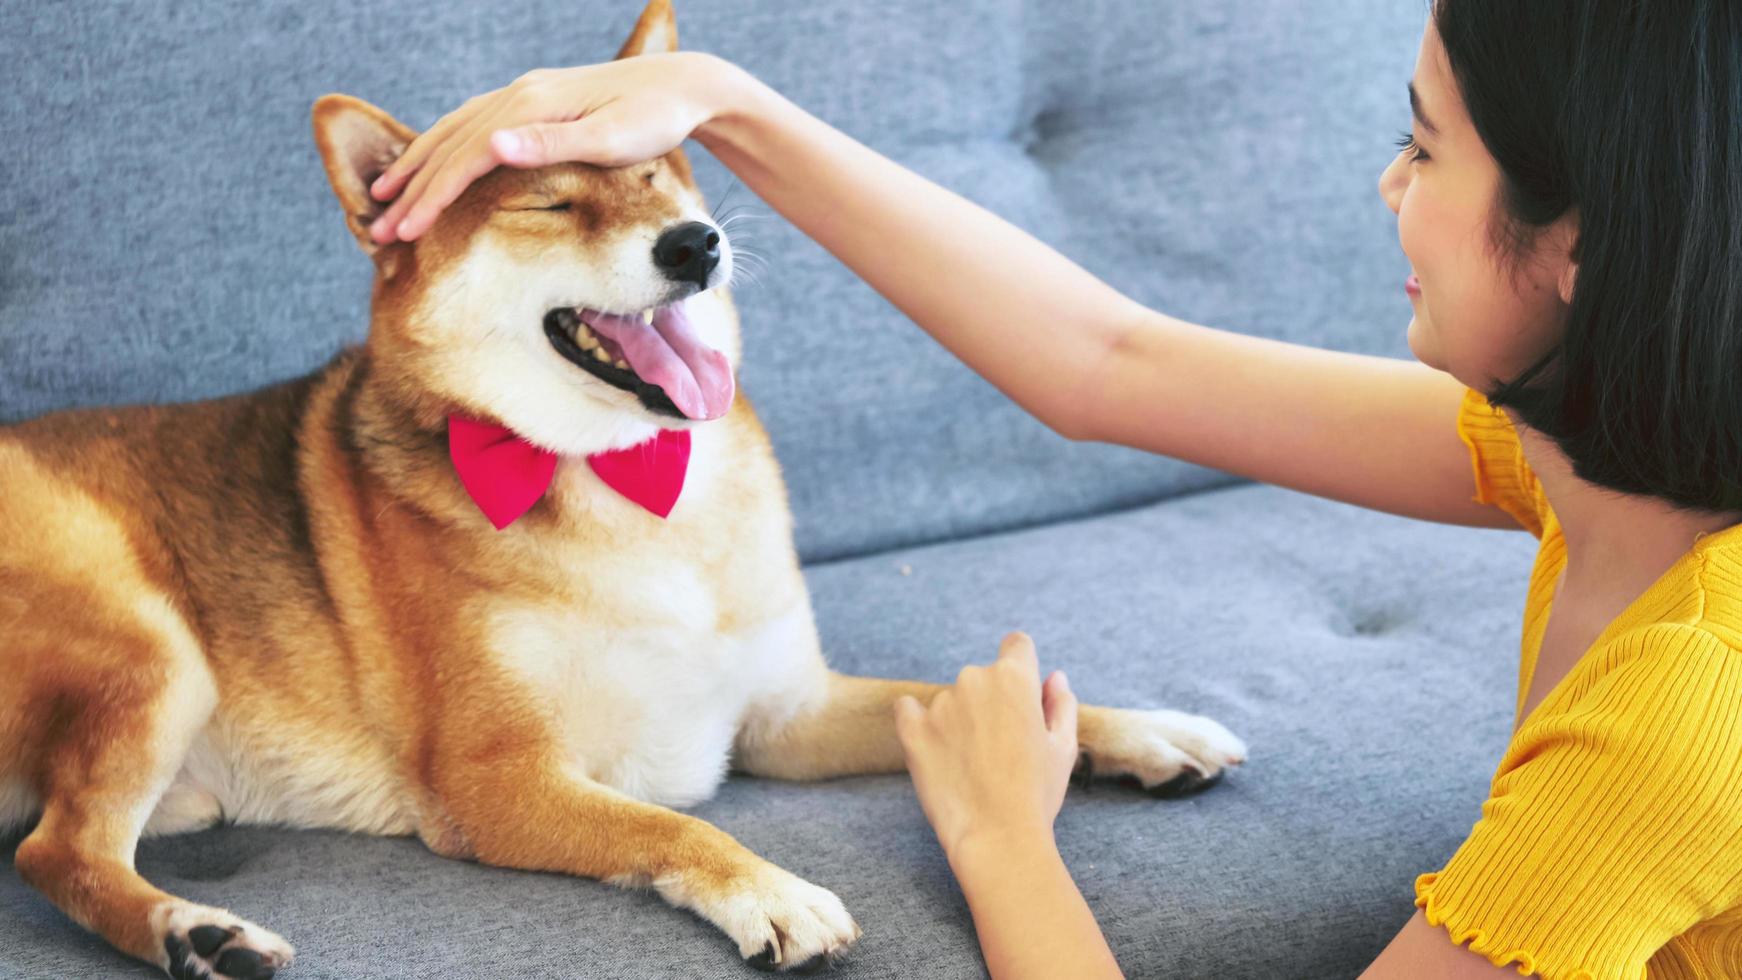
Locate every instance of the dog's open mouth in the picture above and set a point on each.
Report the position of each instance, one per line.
(655, 356)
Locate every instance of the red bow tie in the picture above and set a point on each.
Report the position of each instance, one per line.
(505, 475)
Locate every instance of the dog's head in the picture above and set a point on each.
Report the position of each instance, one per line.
(582, 307)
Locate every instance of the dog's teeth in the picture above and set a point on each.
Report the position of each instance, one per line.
(600, 355)
(620, 364)
(646, 316)
(587, 341)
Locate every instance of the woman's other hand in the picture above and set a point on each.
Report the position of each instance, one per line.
(992, 755)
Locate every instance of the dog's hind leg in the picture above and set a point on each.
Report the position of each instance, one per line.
(109, 702)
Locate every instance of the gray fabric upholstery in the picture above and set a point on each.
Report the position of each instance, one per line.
(1364, 658)
(166, 233)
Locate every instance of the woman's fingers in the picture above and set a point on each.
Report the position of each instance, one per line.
(909, 715)
(540, 144)
(1017, 653)
(391, 225)
(1018, 647)
(1059, 704)
(466, 157)
(393, 179)
(411, 175)
(609, 115)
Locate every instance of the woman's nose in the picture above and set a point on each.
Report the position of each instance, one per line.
(1393, 181)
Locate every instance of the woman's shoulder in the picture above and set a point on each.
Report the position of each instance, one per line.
(1694, 610)
(1668, 690)
(1612, 825)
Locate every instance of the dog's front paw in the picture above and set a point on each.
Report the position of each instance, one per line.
(201, 943)
(779, 920)
(1169, 753)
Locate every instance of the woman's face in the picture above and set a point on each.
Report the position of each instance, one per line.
(1479, 317)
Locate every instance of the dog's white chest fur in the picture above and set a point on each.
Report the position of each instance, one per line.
(644, 690)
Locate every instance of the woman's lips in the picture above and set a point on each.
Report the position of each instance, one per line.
(1412, 286)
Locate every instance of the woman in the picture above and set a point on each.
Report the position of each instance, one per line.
(1570, 200)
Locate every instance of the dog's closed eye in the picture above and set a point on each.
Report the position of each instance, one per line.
(534, 202)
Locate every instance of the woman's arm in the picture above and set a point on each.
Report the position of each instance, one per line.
(1088, 361)
(1424, 952)
(990, 758)
(1084, 359)
(1030, 917)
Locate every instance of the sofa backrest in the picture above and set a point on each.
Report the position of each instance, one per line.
(166, 232)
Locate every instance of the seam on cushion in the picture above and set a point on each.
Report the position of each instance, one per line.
(1222, 482)
(1477, 939)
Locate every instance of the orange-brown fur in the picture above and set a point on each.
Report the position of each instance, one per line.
(296, 573)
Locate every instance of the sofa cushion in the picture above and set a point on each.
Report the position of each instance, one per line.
(1366, 659)
(167, 233)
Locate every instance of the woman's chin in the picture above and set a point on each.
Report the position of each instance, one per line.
(1422, 346)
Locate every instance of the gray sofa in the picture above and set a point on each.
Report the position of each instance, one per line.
(166, 233)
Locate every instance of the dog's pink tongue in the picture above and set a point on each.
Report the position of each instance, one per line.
(697, 378)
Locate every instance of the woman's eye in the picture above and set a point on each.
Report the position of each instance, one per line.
(1406, 144)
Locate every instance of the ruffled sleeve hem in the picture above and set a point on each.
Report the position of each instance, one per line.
(1477, 940)
(1503, 479)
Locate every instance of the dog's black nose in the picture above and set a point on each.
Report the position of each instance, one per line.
(688, 253)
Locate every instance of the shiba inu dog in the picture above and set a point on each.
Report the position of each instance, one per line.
(311, 605)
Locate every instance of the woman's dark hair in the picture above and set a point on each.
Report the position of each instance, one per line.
(1629, 114)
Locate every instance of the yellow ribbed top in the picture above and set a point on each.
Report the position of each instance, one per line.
(1610, 845)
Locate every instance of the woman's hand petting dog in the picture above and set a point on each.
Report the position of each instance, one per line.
(610, 115)
(992, 754)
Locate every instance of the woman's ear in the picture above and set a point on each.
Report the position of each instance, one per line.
(1564, 236)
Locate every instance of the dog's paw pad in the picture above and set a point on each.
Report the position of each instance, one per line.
(1185, 784)
(814, 965)
(241, 962)
(764, 960)
(210, 944)
(207, 939)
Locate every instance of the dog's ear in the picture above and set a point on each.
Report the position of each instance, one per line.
(357, 142)
(655, 32)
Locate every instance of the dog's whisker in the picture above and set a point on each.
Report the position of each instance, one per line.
(751, 256)
(742, 213)
(749, 271)
(726, 196)
(745, 275)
